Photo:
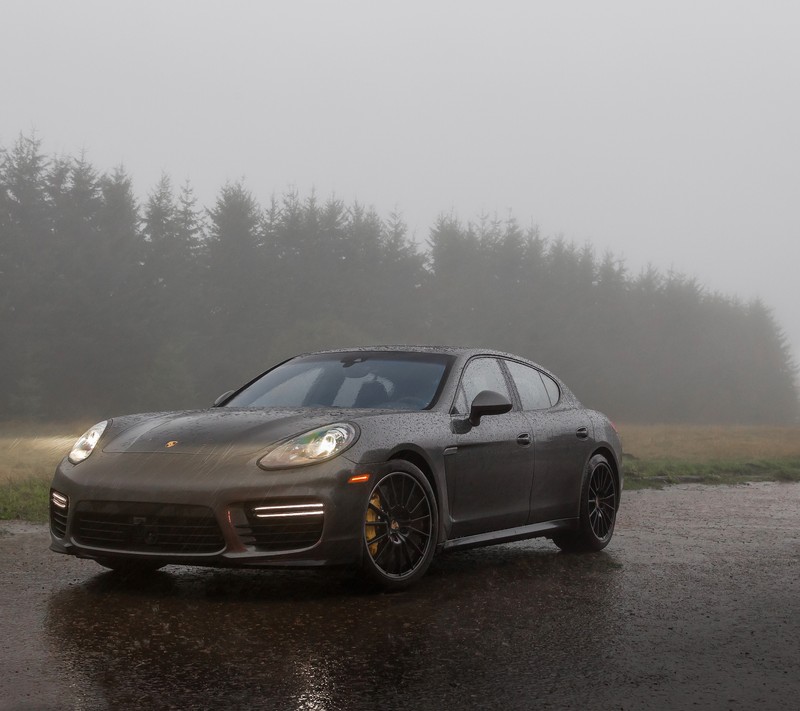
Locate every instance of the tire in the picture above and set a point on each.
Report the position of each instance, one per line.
(400, 526)
(127, 567)
(599, 503)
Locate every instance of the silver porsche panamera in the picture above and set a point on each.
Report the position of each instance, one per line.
(376, 458)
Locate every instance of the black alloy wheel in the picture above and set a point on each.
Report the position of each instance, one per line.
(598, 513)
(400, 525)
(602, 501)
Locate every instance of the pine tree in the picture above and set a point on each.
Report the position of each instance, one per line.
(26, 259)
(238, 323)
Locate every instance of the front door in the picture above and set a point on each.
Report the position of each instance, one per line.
(490, 471)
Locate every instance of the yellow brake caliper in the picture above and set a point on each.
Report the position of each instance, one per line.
(372, 531)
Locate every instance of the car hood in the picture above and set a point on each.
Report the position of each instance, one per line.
(232, 430)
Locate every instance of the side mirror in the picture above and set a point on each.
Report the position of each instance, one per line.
(487, 402)
(222, 398)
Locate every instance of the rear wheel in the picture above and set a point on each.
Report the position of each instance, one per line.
(400, 524)
(599, 497)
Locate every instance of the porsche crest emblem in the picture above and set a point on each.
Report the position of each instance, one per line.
(171, 443)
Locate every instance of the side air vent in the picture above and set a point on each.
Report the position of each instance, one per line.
(59, 510)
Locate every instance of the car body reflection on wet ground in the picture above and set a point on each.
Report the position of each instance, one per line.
(696, 603)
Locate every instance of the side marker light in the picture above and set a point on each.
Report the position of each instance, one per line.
(358, 478)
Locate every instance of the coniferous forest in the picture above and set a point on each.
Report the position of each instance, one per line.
(109, 304)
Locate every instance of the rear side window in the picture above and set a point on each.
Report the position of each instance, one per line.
(552, 388)
(532, 391)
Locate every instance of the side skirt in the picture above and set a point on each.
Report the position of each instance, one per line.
(519, 533)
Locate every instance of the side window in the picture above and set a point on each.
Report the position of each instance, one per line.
(460, 405)
(480, 374)
(552, 388)
(532, 391)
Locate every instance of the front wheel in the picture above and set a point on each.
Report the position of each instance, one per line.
(599, 498)
(400, 525)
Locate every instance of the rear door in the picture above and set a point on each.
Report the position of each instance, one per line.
(562, 437)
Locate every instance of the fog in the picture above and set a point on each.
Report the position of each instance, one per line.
(666, 133)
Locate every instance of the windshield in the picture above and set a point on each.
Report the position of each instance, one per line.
(385, 380)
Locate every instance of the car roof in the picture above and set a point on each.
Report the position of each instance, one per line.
(458, 351)
(405, 348)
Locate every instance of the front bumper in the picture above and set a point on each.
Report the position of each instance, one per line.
(189, 509)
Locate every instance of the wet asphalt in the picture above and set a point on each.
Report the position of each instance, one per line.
(696, 604)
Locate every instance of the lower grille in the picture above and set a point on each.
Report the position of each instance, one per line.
(147, 528)
(59, 510)
(282, 527)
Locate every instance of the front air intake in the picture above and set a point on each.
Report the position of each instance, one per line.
(283, 527)
(147, 528)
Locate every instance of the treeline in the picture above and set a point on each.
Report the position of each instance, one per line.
(109, 306)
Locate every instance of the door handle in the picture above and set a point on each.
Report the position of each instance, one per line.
(582, 433)
(524, 439)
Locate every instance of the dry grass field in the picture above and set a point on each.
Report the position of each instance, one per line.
(704, 443)
(30, 450)
(655, 455)
(29, 454)
(667, 454)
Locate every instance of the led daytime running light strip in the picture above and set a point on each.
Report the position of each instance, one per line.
(59, 500)
(283, 511)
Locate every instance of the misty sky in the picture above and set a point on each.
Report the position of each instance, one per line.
(666, 132)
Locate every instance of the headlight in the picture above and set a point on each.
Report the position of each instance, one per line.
(86, 443)
(316, 446)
